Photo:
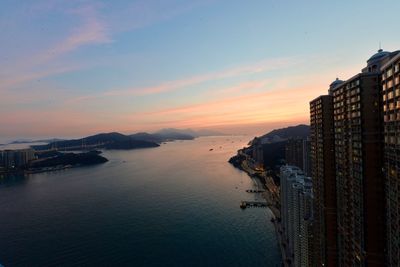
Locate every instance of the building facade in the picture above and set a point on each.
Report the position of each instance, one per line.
(366, 149)
(391, 111)
(307, 156)
(11, 159)
(359, 160)
(324, 180)
(297, 153)
(294, 152)
(296, 214)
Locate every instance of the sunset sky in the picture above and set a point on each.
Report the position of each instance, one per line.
(75, 68)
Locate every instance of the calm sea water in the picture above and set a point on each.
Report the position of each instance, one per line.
(176, 205)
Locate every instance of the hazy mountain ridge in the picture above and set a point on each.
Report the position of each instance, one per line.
(112, 140)
(115, 140)
(161, 137)
(273, 145)
(283, 134)
(190, 132)
(274, 150)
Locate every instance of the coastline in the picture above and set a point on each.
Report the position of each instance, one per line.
(41, 170)
(271, 196)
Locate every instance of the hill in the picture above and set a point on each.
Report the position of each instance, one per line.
(160, 137)
(300, 131)
(73, 159)
(188, 132)
(112, 140)
(272, 145)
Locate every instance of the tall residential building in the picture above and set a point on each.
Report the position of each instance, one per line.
(296, 214)
(358, 160)
(307, 156)
(297, 153)
(324, 180)
(391, 110)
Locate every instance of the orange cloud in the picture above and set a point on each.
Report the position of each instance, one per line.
(273, 105)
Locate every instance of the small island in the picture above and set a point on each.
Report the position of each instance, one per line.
(68, 159)
(30, 161)
(58, 154)
(99, 141)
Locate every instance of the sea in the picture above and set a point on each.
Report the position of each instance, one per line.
(174, 205)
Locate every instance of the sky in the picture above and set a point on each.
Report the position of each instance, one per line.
(75, 68)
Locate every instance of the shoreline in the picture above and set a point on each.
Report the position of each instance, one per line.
(271, 197)
(33, 171)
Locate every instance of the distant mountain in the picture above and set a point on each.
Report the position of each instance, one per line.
(21, 141)
(161, 137)
(112, 140)
(173, 136)
(27, 141)
(146, 137)
(189, 132)
(272, 145)
(278, 135)
(48, 140)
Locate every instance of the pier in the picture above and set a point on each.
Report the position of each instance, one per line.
(258, 204)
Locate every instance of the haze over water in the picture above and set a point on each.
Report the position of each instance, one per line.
(176, 205)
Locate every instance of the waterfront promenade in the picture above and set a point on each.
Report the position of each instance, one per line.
(272, 198)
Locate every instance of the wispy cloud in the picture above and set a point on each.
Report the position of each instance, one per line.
(262, 66)
(279, 102)
(170, 86)
(41, 64)
(92, 31)
(14, 79)
(143, 13)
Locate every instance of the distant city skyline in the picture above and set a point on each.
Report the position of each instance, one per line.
(75, 68)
